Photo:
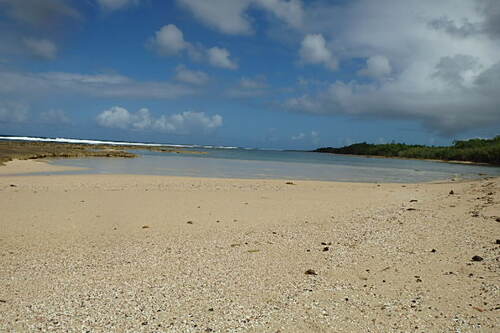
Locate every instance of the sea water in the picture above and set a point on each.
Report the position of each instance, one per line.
(245, 163)
(234, 162)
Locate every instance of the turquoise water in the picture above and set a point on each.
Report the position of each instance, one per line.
(243, 163)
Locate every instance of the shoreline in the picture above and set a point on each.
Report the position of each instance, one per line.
(413, 159)
(140, 253)
(33, 150)
(43, 167)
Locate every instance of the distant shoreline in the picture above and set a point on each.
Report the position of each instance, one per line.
(411, 159)
(473, 151)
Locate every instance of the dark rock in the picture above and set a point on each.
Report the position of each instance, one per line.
(433, 251)
(290, 183)
(211, 309)
(145, 226)
(410, 209)
(477, 258)
(189, 222)
(323, 243)
(13, 185)
(451, 192)
(497, 219)
(326, 248)
(311, 272)
(497, 241)
(413, 200)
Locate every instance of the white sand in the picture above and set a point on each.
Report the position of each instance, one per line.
(75, 255)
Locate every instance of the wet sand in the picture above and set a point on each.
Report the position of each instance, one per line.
(132, 253)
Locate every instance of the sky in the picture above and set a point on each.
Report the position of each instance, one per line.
(285, 74)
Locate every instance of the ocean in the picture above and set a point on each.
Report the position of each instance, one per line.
(236, 162)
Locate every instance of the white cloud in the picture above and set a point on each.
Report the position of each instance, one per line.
(290, 11)
(54, 116)
(181, 123)
(116, 117)
(169, 40)
(431, 65)
(13, 112)
(219, 57)
(186, 75)
(111, 5)
(377, 66)
(41, 85)
(313, 50)
(231, 17)
(300, 136)
(41, 48)
(226, 16)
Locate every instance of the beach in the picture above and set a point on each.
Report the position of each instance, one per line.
(143, 253)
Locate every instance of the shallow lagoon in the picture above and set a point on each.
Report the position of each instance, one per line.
(243, 163)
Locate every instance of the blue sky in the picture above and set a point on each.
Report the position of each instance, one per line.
(254, 73)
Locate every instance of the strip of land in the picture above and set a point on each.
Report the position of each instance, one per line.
(135, 253)
(481, 151)
(24, 150)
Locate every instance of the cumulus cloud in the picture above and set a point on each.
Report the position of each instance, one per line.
(231, 16)
(111, 5)
(186, 75)
(181, 123)
(219, 57)
(376, 67)
(169, 41)
(225, 15)
(41, 48)
(313, 50)
(97, 85)
(431, 66)
(290, 11)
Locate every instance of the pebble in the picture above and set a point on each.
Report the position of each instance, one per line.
(311, 272)
(477, 258)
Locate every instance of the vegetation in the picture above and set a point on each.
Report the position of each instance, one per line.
(473, 150)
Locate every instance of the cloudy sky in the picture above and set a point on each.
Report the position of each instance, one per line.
(253, 73)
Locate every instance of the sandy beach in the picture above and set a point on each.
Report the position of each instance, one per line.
(129, 253)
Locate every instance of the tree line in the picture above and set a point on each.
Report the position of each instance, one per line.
(473, 150)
